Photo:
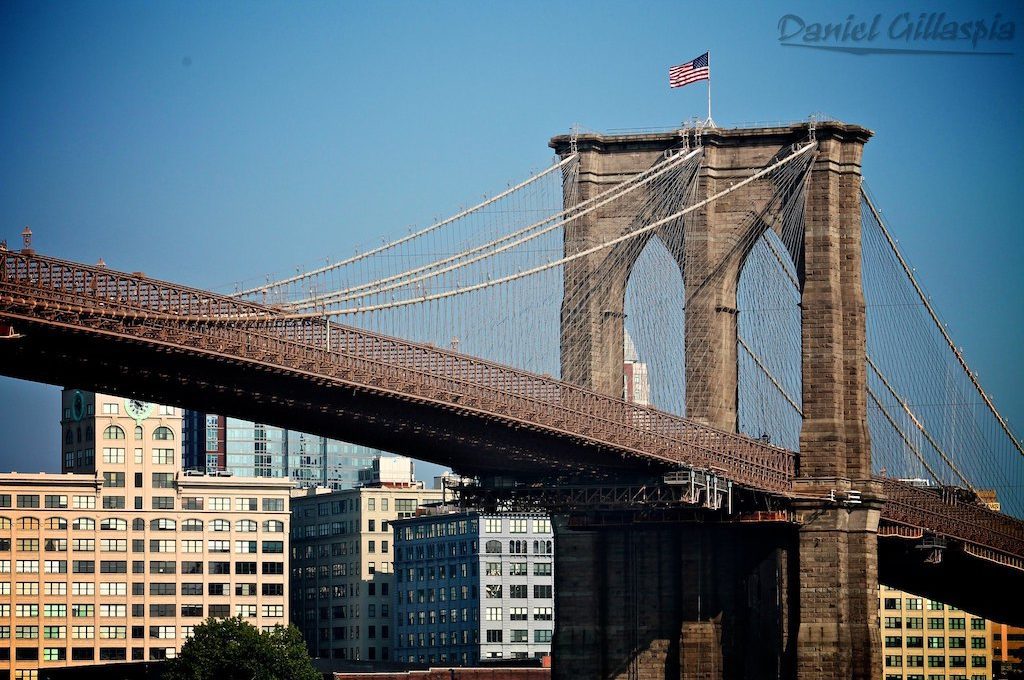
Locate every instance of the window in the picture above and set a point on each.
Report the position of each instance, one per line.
(28, 501)
(192, 610)
(492, 547)
(163, 456)
(517, 526)
(113, 632)
(163, 524)
(219, 546)
(245, 504)
(109, 409)
(273, 526)
(83, 610)
(273, 546)
(84, 503)
(542, 592)
(245, 611)
(542, 635)
(493, 569)
(113, 545)
(893, 622)
(493, 590)
(518, 591)
(163, 502)
(163, 480)
(113, 610)
(55, 501)
(542, 526)
(114, 588)
(518, 614)
(220, 503)
(492, 525)
(113, 502)
(55, 523)
(494, 635)
(163, 545)
(273, 505)
(113, 456)
(113, 479)
(192, 525)
(163, 434)
(114, 524)
(273, 610)
(543, 613)
(245, 525)
(192, 503)
(245, 546)
(83, 588)
(83, 544)
(162, 632)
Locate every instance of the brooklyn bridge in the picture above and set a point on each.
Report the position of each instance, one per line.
(811, 429)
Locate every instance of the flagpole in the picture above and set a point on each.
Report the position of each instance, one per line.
(711, 121)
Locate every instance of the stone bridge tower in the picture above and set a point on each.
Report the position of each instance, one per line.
(811, 589)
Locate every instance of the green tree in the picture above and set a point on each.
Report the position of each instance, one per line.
(231, 649)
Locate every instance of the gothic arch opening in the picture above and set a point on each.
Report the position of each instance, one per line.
(654, 350)
(769, 381)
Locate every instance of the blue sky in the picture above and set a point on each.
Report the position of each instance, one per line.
(209, 143)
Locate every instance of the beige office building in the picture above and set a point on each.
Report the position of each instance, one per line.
(342, 564)
(927, 640)
(123, 555)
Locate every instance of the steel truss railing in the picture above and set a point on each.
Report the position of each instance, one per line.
(943, 512)
(135, 306)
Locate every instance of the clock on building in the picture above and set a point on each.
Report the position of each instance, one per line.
(137, 409)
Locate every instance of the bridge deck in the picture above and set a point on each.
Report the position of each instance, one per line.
(162, 320)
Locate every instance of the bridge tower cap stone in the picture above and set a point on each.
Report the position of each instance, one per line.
(738, 136)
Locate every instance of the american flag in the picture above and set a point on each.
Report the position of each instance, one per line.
(690, 72)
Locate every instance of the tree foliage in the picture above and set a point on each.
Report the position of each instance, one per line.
(231, 649)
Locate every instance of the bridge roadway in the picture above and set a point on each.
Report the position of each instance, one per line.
(100, 329)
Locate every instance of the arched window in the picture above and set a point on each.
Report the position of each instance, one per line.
(192, 525)
(163, 433)
(273, 526)
(493, 547)
(163, 524)
(138, 431)
(56, 523)
(84, 524)
(113, 432)
(28, 523)
(114, 524)
(5, 522)
(69, 438)
(245, 525)
(220, 525)
(138, 524)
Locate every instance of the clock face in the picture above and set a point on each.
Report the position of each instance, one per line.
(137, 409)
(78, 406)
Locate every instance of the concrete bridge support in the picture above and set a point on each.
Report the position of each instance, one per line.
(824, 623)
